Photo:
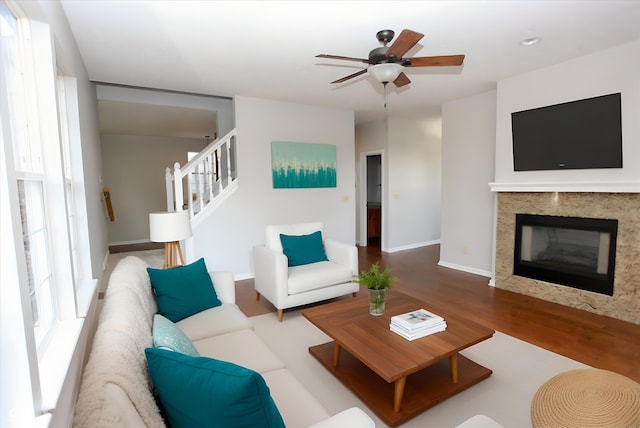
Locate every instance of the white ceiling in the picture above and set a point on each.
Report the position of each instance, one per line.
(267, 49)
(125, 118)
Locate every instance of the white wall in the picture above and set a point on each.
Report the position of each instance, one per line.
(411, 169)
(413, 193)
(468, 152)
(134, 171)
(222, 107)
(605, 72)
(226, 238)
(477, 148)
(371, 138)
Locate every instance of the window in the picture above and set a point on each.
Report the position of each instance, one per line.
(69, 194)
(41, 265)
(36, 250)
(29, 174)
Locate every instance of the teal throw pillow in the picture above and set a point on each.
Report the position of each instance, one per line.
(303, 249)
(167, 335)
(203, 392)
(184, 290)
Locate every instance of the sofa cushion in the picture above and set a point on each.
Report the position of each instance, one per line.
(184, 290)
(296, 404)
(167, 335)
(317, 275)
(203, 392)
(242, 347)
(214, 321)
(303, 249)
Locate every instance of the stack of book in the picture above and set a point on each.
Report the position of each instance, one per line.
(416, 324)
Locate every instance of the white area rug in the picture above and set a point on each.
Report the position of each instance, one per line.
(519, 369)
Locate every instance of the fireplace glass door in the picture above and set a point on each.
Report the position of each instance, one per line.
(577, 252)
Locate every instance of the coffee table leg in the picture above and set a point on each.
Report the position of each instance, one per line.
(453, 360)
(399, 392)
(336, 354)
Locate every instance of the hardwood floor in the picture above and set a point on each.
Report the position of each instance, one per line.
(596, 340)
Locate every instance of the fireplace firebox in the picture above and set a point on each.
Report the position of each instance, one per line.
(572, 251)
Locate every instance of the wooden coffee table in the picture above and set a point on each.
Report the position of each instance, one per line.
(397, 378)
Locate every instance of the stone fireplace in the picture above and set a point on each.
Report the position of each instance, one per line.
(624, 300)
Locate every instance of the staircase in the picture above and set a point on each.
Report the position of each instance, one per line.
(203, 183)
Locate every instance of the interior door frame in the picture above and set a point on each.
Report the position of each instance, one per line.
(363, 198)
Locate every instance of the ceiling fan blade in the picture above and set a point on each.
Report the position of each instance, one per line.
(401, 80)
(432, 61)
(351, 76)
(346, 58)
(405, 41)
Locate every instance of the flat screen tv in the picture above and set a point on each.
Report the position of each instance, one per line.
(583, 134)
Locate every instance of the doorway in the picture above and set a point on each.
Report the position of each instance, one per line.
(374, 199)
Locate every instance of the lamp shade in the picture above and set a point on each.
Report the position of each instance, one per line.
(385, 72)
(169, 226)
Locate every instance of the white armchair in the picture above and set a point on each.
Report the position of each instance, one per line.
(289, 286)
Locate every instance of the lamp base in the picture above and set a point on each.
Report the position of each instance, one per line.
(172, 253)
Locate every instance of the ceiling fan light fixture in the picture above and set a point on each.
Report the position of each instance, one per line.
(385, 72)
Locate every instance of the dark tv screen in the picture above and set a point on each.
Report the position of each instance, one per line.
(583, 134)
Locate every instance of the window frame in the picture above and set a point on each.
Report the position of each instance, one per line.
(34, 376)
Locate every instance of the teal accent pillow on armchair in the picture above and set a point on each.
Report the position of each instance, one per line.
(303, 249)
(203, 392)
(184, 290)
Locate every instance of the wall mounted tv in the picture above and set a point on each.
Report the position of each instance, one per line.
(583, 134)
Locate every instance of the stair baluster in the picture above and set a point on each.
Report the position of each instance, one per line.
(208, 178)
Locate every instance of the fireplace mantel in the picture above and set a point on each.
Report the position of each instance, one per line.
(581, 186)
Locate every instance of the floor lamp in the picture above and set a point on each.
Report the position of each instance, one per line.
(170, 228)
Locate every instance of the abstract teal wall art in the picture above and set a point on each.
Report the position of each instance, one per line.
(303, 165)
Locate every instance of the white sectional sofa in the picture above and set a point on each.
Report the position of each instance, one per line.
(116, 389)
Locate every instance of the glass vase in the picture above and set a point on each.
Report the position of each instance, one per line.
(377, 299)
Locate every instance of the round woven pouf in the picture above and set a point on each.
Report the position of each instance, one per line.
(587, 398)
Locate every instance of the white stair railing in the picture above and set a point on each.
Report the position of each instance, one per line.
(205, 180)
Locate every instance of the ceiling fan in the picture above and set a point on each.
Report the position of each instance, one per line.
(386, 63)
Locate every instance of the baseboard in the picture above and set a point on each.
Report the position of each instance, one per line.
(412, 246)
(465, 269)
